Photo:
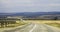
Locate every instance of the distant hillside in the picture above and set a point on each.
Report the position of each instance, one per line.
(36, 13)
(30, 13)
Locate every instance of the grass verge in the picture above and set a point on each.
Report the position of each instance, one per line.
(54, 24)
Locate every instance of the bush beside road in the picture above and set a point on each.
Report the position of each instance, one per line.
(14, 26)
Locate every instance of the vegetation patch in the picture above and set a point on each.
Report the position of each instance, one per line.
(54, 24)
(18, 23)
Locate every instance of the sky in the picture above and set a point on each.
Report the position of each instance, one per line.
(14, 6)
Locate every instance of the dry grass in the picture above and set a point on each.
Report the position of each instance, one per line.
(44, 21)
(55, 23)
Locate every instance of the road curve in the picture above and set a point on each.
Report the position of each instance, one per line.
(37, 28)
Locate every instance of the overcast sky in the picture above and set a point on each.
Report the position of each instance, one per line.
(10, 6)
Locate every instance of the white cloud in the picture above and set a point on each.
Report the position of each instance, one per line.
(29, 5)
(54, 4)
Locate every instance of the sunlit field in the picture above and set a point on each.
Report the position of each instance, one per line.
(44, 21)
(21, 24)
(55, 23)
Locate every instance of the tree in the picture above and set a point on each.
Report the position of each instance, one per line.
(55, 18)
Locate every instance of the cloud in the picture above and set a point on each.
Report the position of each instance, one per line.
(29, 5)
(54, 4)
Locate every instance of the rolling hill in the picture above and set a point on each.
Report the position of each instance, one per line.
(30, 14)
